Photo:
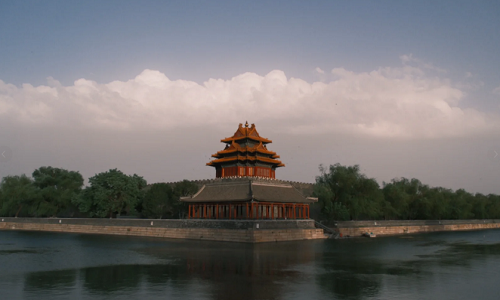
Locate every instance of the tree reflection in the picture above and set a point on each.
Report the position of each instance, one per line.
(350, 286)
(49, 280)
(353, 269)
(111, 278)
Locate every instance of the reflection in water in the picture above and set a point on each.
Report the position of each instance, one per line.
(49, 280)
(359, 274)
(248, 271)
(350, 286)
(227, 270)
(450, 265)
(7, 252)
(111, 278)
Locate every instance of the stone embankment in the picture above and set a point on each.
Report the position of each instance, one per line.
(358, 228)
(245, 231)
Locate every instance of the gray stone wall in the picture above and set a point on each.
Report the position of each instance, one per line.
(172, 223)
(354, 224)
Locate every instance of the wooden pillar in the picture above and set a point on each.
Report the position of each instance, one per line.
(272, 211)
(216, 211)
(247, 211)
(229, 211)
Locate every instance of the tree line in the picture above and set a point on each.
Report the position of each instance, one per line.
(55, 192)
(344, 193)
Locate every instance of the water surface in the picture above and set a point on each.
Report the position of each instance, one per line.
(452, 265)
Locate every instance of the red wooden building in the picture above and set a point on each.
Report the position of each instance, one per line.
(245, 154)
(246, 187)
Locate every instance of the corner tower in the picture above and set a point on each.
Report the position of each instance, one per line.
(245, 154)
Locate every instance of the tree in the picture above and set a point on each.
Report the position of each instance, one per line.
(111, 193)
(493, 206)
(17, 193)
(461, 205)
(408, 198)
(183, 188)
(57, 188)
(343, 188)
(159, 201)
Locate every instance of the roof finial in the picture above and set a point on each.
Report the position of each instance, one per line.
(246, 123)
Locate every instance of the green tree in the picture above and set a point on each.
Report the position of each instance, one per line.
(493, 206)
(480, 206)
(57, 187)
(341, 188)
(111, 193)
(408, 198)
(183, 188)
(461, 205)
(18, 193)
(159, 201)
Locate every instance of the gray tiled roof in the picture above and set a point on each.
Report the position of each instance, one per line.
(247, 190)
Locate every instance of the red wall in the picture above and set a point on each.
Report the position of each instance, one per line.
(245, 171)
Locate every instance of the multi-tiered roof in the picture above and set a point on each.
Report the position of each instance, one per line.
(245, 154)
(254, 193)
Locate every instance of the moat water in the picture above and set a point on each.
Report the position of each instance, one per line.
(451, 265)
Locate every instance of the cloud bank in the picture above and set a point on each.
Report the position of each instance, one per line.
(401, 102)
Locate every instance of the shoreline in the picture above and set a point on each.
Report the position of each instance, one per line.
(392, 227)
(241, 231)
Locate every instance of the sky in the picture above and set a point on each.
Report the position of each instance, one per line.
(401, 88)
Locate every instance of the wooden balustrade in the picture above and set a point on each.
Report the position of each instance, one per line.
(255, 210)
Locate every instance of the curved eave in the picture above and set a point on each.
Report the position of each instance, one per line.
(255, 138)
(221, 153)
(276, 163)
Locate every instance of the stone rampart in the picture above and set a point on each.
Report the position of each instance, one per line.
(358, 228)
(215, 230)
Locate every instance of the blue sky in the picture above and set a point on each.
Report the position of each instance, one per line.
(394, 71)
(197, 40)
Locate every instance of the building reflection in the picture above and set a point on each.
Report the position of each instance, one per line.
(245, 271)
(221, 270)
(345, 269)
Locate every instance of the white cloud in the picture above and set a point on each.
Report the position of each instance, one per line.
(318, 69)
(388, 102)
(410, 59)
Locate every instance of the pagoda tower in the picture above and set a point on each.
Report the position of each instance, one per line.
(245, 154)
(245, 187)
